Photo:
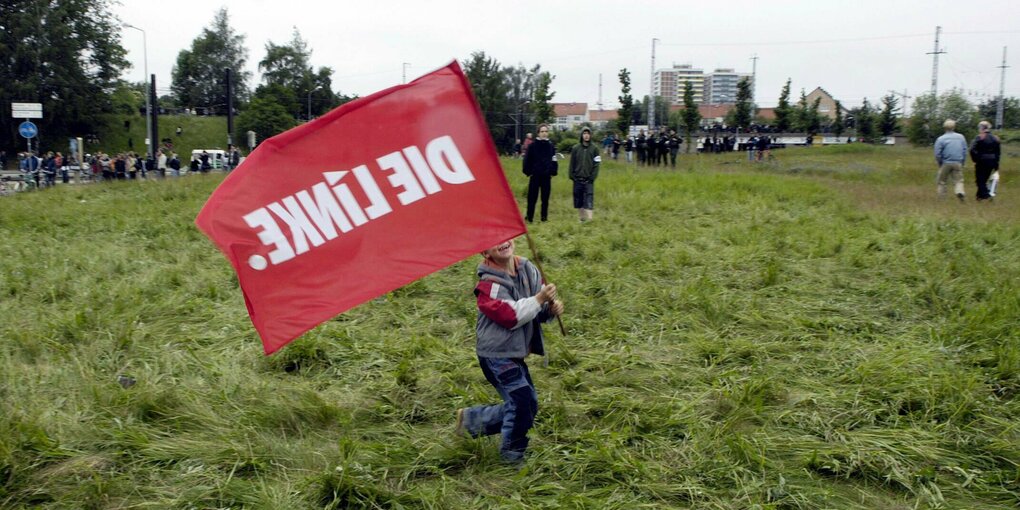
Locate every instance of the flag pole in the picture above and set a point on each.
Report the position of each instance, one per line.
(538, 264)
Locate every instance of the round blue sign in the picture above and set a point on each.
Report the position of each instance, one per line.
(28, 129)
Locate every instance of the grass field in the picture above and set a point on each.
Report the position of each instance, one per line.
(811, 334)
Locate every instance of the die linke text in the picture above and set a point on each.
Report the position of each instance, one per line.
(329, 208)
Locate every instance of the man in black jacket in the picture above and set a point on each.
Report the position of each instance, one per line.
(985, 151)
(540, 167)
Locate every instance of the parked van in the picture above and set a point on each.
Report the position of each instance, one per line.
(217, 157)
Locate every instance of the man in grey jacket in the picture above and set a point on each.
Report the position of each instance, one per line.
(950, 155)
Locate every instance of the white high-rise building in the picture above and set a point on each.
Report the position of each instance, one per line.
(721, 86)
(669, 83)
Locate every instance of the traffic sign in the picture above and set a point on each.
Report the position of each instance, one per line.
(26, 110)
(28, 129)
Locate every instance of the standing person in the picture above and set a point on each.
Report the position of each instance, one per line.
(642, 149)
(175, 165)
(616, 146)
(161, 164)
(528, 140)
(950, 155)
(513, 302)
(540, 166)
(584, 169)
(628, 147)
(50, 169)
(204, 158)
(674, 147)
(234, 158)
(985, 151)
(517, 148)
(764, 147)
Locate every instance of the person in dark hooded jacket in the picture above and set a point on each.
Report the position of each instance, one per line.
(584, 169)
(540, 167)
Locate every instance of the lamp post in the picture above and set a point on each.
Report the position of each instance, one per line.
(148, 93)
(310, 101)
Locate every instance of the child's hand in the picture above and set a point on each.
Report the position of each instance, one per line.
(547, 294)
(556, 308)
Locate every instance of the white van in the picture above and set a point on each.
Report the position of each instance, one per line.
(217, 158)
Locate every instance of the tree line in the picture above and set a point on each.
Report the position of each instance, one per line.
(68, 56)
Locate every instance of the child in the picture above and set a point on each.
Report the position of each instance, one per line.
(512, 303)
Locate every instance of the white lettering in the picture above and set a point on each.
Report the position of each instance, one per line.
(324, 210)
(343, 192)
(422, 170)
(270, 235)
(402, 178)
(378, 205)
(443, 150)
(301, 230)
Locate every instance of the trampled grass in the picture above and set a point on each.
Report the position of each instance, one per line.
(818, 332)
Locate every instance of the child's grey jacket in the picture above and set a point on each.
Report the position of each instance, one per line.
(509, 316)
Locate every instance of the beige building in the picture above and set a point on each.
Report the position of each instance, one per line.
(827, 104)
(669, 83)
(569, 115)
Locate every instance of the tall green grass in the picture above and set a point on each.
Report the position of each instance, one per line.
(818, 332)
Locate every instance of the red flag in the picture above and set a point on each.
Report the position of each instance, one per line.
(365, 199)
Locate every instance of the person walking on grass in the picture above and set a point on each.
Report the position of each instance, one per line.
(513, 302)
(540, 166)
(950, 155)
(985, 151)
(584, 169)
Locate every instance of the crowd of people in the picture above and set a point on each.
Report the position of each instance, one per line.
(42, 172)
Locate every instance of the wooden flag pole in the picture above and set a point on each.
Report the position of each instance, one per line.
(538, 264)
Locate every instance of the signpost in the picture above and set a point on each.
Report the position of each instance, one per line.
(27, 111)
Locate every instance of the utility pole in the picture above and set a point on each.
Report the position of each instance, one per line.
(1000, 108)
(405, 72)
(754, 76)
(651, 91)
(935, 64)
(599, 104)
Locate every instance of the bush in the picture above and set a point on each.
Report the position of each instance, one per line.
(566, 144)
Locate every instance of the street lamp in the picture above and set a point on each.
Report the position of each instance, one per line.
(310, 101)
(148, 92)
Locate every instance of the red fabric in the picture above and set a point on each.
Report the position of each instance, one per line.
(365, 199)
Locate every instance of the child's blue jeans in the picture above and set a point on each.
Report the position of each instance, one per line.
(515, 416)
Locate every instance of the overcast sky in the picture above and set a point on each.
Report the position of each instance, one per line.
(853, 49)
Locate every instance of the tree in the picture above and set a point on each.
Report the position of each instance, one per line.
(488, 81)
(812, 120)
(743, 112)
(887, 120)
(198, 78)
(65, 55)
(522, 82)
(626, 111)
(865, 123)
(929, 113)
(1010, 111)
(265, 117)
(783, 110)
(541, 103)
(691, 116)
(838, 124)
(288, 66)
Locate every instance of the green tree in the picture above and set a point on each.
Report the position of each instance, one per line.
(887, 121)
(839, 123)
(812, 120)
(522, 82)
(198, 78)
(691, 116)
(929, 113)
(743, 112)
(1010, 111)
(541, 103)
(866, 123)
(799, 114)
(626, 111)
(265, 117)
(784, 113)
(288, 66)
(65, 55)
(488, 81)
